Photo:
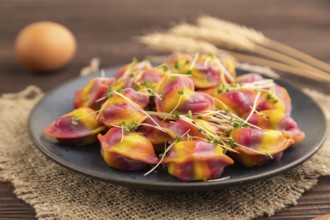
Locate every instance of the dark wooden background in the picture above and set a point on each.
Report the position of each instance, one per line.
(106, 28)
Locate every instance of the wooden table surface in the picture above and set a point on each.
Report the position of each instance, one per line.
(105, 29)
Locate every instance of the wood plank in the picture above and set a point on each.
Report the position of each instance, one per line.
(105, 28)
(11, 207)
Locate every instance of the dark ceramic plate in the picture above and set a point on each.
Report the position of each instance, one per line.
(88, 161)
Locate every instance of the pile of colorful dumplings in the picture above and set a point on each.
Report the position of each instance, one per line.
(190, 115)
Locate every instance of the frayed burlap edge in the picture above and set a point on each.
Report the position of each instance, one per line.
(23, 100)
(56, 193)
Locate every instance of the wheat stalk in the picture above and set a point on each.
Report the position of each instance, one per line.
(259, 39)
(237, 38)
(170, 42)
(280, 66)
(173, 43)
(212, 36)
(229, 27)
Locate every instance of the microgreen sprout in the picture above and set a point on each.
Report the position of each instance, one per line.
(254, 107)
(269, 155)
(206, 62)
(224, 71)
(193, 63)
(136, 87)
(74, 120)
(110, 92)
(165, 114)
(178, 138)
(226, 121)
(223, 105)
(176, 64)
(262, 85)
(177, 114)
(159, 128)
(164, 67)
(217, 141)
(189, 114)
(271, 97)
(129, 126)
(162, 158)
(234, 144)
(263, 115)
(150, 89)
(231, 143)
(210, 136)
(137, 106)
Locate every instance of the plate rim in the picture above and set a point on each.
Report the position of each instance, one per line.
(180, 185)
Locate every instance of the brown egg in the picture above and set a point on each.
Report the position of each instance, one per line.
(45, 46)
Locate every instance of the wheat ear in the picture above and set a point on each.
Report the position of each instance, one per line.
(232, 39)
(173, 43)
(261, 40)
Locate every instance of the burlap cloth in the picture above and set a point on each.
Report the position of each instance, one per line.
(57, 193)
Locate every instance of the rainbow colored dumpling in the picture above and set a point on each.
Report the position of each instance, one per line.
(258, 146)
(126, 150)
(152, 76)
(150, 130)
(132, 67)
(78, 127)
(178, 95)
(278, 120)
(126, 75)
(206, 71)
(277, 100)
(196, 160)
(124, 107)
(182, 129)
(93, 94)
(238, 101)
(249, 78)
